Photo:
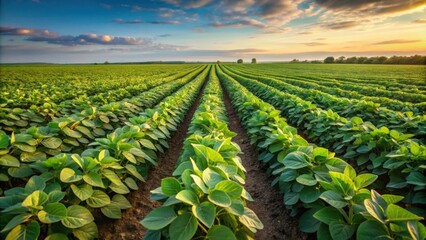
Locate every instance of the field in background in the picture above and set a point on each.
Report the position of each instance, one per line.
(77, 143)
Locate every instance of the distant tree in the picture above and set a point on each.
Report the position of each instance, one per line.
(240, 60)
(106, 62)
(340, 59)
(253, 60)
(329, 60)
(218, 62)
(351, 60)
(96, 63)
(361, 60)
(295, 60)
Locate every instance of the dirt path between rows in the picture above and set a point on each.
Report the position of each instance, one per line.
(268, 202)
(128, 227)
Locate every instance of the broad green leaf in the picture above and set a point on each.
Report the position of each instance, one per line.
(35, 183)
(120, 189)
(72, 133)
(18, 219)
(205, 212)
(295, 160)
(208, 154)
(88, 231)
(25, 147)
(211, 178)
(334, 199)
(396, 213)
(306, 179)
(112, 211)
(33, 157)
(77, 216)
(68, 176)
(375, 210)
(56, 236)
(363, 180)
(344, 183)
(328, 215)
(82, 191)
(236, 208)
(170, 186)
(373, 230)
(35, 199)
(308, 223)
(130, 182)
(121, 201)
(55, 196)
(98, 199)
(417, 179)
(9, 161)
(309, 194)
(219, 198)
(250, 220)
(188, 197)
(159, 218)
(25, 232)
(416, 230)
(291, 198)
(134, 172)
(220, 232)
(93, 179)
(231, 188)
(52, 142)
(4, 140)
(146, 143)
(199, 182)
(183, 227)
(341, 231)
(52, 212)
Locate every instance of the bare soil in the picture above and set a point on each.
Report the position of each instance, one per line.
(128, 227)
(268, 202)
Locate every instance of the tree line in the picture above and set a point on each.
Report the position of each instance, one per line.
(414, 60)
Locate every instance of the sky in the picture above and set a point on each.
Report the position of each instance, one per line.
(87, 31)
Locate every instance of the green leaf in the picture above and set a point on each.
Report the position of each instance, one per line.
(188, 197)
(231, 188)
(183, 227)
(220, 232)
(18, 219)
(112, 211)
(291, 198)
(35, 199)
(199, 182)
(341, 231)
(328, 215)
(373, 230)
(4, 140)
(68, 175)
(98, 199)
(25, 232)
(25, 147)
(121, 201)
(396, 213)
(363, 180)
(77, 216)
(208, 154)
(417, 179)
(309, 194)
(35, 183)
(52, 142)
(364, 149)
(33, 157)
(130, 182)
(93, 179)
(55, 196)
(295, 160)
(9, 161)
(88, 231)
(52, 212)
(170, 186)
(344, 182)
(134, 172)
(211, 178)
(375, 210)
(71, 133)
(159, 218)
(416, 230)
(306, 179)
(334, 199)
(146, 143)
(308, 223)
(250, 220)
(83, 191)
(205, 212)
(56, 236)
(219, 198)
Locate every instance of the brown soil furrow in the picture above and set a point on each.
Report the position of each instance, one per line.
(268, 202)
(128, 227)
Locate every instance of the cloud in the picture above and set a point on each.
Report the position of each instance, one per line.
(198, 30)
(169, 12)
(106, 5)
(122, 21)
(165, 22)
(188, 4)
(397, 41)
(314, 44)
(305, 33)
(136, 8)
(340, 25)
(419, 21)
(164, 35)
(239, 23)
(35, 35)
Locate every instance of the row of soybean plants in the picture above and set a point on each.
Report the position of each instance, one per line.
(398, 158)
(75, 133)
(368, 111)
(25, 86)
(205, 198)
(335, 200)
(57, 200)
(12, 118)
(390, 103)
